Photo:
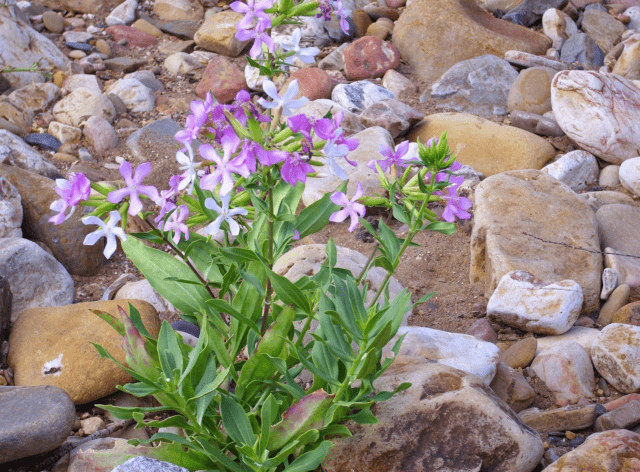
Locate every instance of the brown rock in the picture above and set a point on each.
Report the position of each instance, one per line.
(63, 335)
(378, 30)
(180, 10)
(605, 30)
(369, 57)
(313, 83)
(433, 36)
(222, 78)
(616, 300)
(512, 388)
(134, 36)
(628, 314)
(20, 119)
(361, 22)
(521, 353)
(624, 417)
(392, 115)
(376, 11)
(482, 329)
(568, 418)
(146, 27)
(82, 6)
(53, 21)
(531, 91)
(217, 34)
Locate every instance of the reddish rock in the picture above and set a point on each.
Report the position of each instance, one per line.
(223, 79)
(369, 57)
(134, 36)
(313, 83)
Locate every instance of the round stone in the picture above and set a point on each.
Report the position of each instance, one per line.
(531, 91)
(53, 21)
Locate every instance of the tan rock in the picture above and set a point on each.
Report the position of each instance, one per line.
(433, 36)
(19, 118)
(616, 356)
(146, 27)
(521, 353)
(377, 29)
(628, 64)
(488, 147)
(52, 346)
(512, 388)
(531, 91)
(628, 314)
(81, 6)
(568, 418)
(186, 10)
(80, 105)
(605, 30)
(217, 34)
(616, 300)
(529, 201)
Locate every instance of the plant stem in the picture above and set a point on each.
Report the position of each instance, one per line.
(269, 290)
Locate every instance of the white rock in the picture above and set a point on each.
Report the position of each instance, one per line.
(79, 105)
(397, 83)
(135, 95)
(598, 111)
(460, 351)
(370, 140)
(634, 14)
(616, 356)
(10, 210)
(357, 96)
(577, 169)
(64, 133)
(525, 302)
(566, 369)
(36, 98)
(609, 282)
(14, 151)
(36, 278)
(557, 24)
(181, 63)
(142, 290)
(86, 81)
(609, 176)
(255, 79)
(123, 14)
(629, 175)
(579, 334)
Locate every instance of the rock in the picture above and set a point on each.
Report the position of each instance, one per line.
(185, 10)
(81, 6)
(521, 353)
(459, 351)
(217, 34)
(581, 335)
(629, 175)
(628, 314)
(616, 300)
(609, 283)
(223, 79)
(397, 83)
(605, 30)
(488, 147)
(142, 290)
(313, 83)
(123, 14)
(65, 240)
(608, 451)
(598, 111)
(148, 79)
(63, 335)
(43, 141)
(567, 418)
(65, 133)
(378, 30)
(124, 64)
(583, 49)
(36, 278)
(35, 98)
(618, 227)
(10, 212)
(180, 63)
(557, 24)
(80, 105)
(361, 22)
(524, 59)
(577, 169)
(5, 309)
(86, 81)
(34, 420)
(479, 86)
(628, 64)
(499, 246)
(525, 302)
(627, 415)
(601, 198)
(392, 115)
(335, 60)
(136, 96)
(161, 133)
(357, 96)
(512, 388)
(369, 57)
(566, 369)
(530, 11)
(531, 90)
(616, 356)
(423, 425)
(91, 425)
(537, 124)
(148, 28)
(483, 330)
(78, 37)
(133, 36)
(53, 21)
(180, 29)
(14, 118)
(147, 464)
(100, 134)
(432, 37)
(369, 148)
(15, 152)
(351, 123)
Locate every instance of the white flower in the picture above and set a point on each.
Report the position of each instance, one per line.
(187, 165)
(334, 151)
(286, 101)
(306, 55)
(224, 214)
(109, 230)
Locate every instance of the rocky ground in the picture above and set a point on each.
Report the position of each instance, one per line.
(553, 170)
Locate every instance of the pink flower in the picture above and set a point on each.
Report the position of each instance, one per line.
(351, 208)
(72, 192)
(176, 223)
(225, 166)
(294, 168)
(133, 188)
(392, 158)
(456, 206)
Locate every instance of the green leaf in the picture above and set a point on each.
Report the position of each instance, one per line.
(112, 320)
(316, 216)
(337, 430)
(310, 460)
(426, 297)
(169, 351)
(442, 227)
(389, 241)
(235, 422)
(222, 306)
(288, 292)
(364, 416)
(140, 389)
(125, 413)
(239, 255)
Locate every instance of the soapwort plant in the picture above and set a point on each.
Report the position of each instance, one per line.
(238, 396)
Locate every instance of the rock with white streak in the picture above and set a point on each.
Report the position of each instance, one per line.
(525, 302)
(357, 96)
(599, 111)
(629, 175)
(135, 95)
(123, 14)
(557, 24)
(10, 210)
(460, 351)
(577, 169)
(616, 356)
(566, 369)
(14, 151)
(609, 282)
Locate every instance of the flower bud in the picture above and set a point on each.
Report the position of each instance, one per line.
(136, 354)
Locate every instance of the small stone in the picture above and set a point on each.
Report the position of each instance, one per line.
(147, 464)
(91, 425)
(603, 28)
(313, 83)
(377, 30)
(136, 96)
(397, 83)
(181, 63)
(53, 21)
(483, 330)
(222, 78)
(170, 10)
(103, 47)
(583, 49)
(123, 14)
(133, 36)
(77, 54)
(559, 419)
(616, 300)
(531, 90)
(100, 134)
(616, 356)
(357, 96)
(583, 336)
(146, 27)
(609, 283)
(124, 64)
(512, 388)
(523, 59)
(43, 141)
(369, 57)
(521, 353)
(361, 22)
(577, 169)
(80, 104)
(628, 314)
(629, 175)
(625, 417)
(217, 34)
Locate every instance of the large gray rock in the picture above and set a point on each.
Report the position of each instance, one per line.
(513, 203)
(14, 151)
(33, 420)
(162, 134)
(447, 420)
(36, 278)
(147, 464)
(479, 86)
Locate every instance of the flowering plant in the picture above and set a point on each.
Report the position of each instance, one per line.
(237, 395)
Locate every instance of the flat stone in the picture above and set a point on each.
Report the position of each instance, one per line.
(18, 120)
(603, 28)
(180, 29)
(357, 96)
(581, 335)
(82, 104)
(34, 420)
(86, 81)
(616, 300)
(488, 147)
(161, 133)
(53, 21)
(181, 63)
(557, 24)
(524, 59)
(512, 388)
(392, 115)
(185, 10)
(397, 83)
(142, 290)
(61, 337)
(625, 417)
(577, 169)
(530, 11)
(146, 27)
(135, 95)
(15, 152)
(35, 98)
(499, 245)
(123, 14)
(598, 199)
(483, 330)
(628, 64)
(313, 83)
(134, 36)
(81, 6)
(223, 79)
(124, 64)
(567, 418)
(616, 356)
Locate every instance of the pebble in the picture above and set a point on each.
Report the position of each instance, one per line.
(628, 314)
(53, 21)
(577, 169)
(369, 57)
(136, 96)
(531, 91)
(100, 134)
(521, 353)
(565, 418)
(609, 282)
(624, 417)
(616, 300)
(223, 78)
(609, 176)
(80, 104)
(43, 141)
(123, 14)
(147, 464)
(512, 388)
(629, 175)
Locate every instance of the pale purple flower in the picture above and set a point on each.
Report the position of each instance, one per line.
(224, 214)
(225, 166)
(195, 121)
(334, 150)
(176, 223)
(351, 208)
(306, 55)
(342, 13)
(287, 102)
(187, 166)
(133, 188)
(392, 158)
(251, 10)
(109, 230)
(167, 199)
(294, 168)
(259, 37)
(72, 192)
(300, 124)
(456, 206)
